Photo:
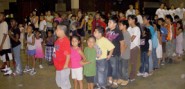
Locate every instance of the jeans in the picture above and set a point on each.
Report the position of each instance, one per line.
(16, 52)
(123, 69)
(155, 59)
(114, 67)
(101, 72)
(144, 63)
(150, 63)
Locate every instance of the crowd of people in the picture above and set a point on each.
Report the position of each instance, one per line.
(100, 48)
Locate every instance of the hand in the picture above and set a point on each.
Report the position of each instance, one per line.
(149, 53)
(65, 66)
(108, 57)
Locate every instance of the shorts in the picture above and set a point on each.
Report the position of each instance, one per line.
(89, 79)
(6, 55)
(31, 52)
(62, 79)
(77, 73)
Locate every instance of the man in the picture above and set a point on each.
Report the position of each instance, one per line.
(160, 12)
(130, 11)
(180, 11)
(5, 49)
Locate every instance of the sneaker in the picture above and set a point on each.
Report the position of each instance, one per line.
(145, 75)
(114, 85)
(109, 83)
(27, 69)
(140, 74)
(124, 83)
(5, 69)
(32, 72)
(132, 80)
(41, 67)
(9, 72)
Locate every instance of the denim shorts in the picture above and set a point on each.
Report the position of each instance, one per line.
(31, 52)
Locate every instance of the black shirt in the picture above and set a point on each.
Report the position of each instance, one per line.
(115, 36)
(144, 46)
(14, 32)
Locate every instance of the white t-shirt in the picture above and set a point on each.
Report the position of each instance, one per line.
(4, 30)
(140, 19)
(180, 12)
(29, 39)
(42, 24)
(135, 31)
(160, 13)
(130, 12)
(171, 12)
(49, 24)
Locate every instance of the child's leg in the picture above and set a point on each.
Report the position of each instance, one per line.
(40, 61)
(81, 84)
(75, 84)
(33, 62)
(91, 85)
(88, 86)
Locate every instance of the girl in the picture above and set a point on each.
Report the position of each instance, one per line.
(179, 39)
(30, 50)
(39, 48)
(159, 50)
(76, 58)
(145, 53)
(49, 47)
(90, 69)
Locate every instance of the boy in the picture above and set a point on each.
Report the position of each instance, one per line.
(42, 27)
(116, 37)
(105, 45)
(125, 56)
(5, 49)
(61, 58)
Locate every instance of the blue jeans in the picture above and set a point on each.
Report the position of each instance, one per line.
(101, 72)
(155, 59)
(114, 64)
(144, 63)
(123, 69)
(16, 52)
(150, 63)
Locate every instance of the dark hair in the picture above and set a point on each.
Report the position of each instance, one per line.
(2, 13)
(148, 18)
(176, 17)
(32, 26)
(161, 19)
(78, 38)
(133, 17)
(114, 18)
(73, 16)
(181, 25)
(147, 32)
(124, 22)
(92, 37)
(100, 30)
(169, 17)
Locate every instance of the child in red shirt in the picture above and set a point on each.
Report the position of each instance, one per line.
(61, 57)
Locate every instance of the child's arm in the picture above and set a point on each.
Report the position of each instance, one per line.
(82, 24)
(67, 61)
(110, 54)
(82, 55)
(33, 41)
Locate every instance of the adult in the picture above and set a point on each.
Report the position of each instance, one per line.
(172, 11)
(14, 34)
(49, 20)
(5, 48)
(139, 17)
(160, 11)
(180, 11)
(130, 11)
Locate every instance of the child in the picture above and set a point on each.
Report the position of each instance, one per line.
(30, 50)
(159, 47)
(61, 58)
(123, 25)
(73, 26)
(101, 63)
(90, 69)
(145, 53)
(42, 27)
(179, 39)
(39, 49)
(49, 47)
(135, 33)
(76, 58)
(89, 24)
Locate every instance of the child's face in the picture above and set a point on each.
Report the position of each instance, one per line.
(111, 24)
(121, 26)
(97, 34)
(178, 25)
(54, 24)
(37, 34)
(91, 42)
(41, 18)
(130, 21)
(59, 32)
(90, 16)
(160, 22)
(145, 21)
(49, 34)
(29, 29)
(73, 18)
(75, 42)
